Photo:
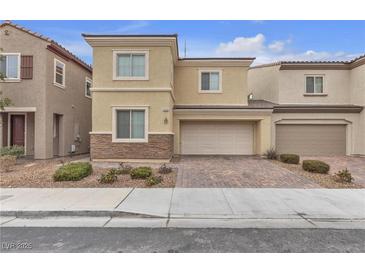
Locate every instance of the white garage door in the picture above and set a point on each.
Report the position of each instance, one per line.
(224, 137)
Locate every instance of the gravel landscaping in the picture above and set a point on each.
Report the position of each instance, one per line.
(324, 180)
(30, 173)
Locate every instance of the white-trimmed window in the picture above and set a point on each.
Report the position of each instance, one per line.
(210, 81)
(130, 65)
(10, 66)
(88, 84)
(59, 73)
(314, 84)
(130, 124)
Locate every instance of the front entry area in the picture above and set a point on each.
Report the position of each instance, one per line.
(217, 138)
(17, 130)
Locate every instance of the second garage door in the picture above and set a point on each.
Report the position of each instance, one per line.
(311, 139)
(225, 138)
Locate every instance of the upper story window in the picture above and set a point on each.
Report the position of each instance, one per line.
(88, 84)
(10, 66)
(59, 73)
(130, 124)
(314, 84)
(210, 81)
(130, 65)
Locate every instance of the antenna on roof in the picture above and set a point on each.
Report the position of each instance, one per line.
(185, 49)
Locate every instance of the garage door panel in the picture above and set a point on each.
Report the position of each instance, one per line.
(311, 139)
(216, 138)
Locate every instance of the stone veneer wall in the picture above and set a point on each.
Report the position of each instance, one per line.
(159, 146)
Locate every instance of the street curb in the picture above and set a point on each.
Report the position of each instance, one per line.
(72, 213)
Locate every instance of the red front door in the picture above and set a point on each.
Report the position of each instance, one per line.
(17, 130)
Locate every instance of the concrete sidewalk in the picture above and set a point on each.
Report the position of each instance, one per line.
(184, 207)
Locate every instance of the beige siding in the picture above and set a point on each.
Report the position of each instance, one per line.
(263, 83)
(234, 86)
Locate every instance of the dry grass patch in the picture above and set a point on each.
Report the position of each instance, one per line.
(324, 180)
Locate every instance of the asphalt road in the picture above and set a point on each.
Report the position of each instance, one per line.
(180, 240)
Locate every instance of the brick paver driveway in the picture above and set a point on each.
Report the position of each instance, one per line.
(236, 171)
(356, 165)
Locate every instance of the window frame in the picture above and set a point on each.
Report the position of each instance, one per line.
(128, 78)
(63, 85)
(314, 83)
(114, 124)
(88, 80)
(201, 71)
(6, 79)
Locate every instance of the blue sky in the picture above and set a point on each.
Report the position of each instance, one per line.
(268, 41)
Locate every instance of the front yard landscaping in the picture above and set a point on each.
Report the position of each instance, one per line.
(60, 173)
(323, 179)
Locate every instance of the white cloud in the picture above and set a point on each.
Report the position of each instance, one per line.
(278, 50)
(132, 27)
(247, 45)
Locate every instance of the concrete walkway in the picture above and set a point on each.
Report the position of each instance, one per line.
(183, 207)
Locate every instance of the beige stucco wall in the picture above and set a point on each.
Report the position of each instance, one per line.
(234, 86)
(262, 120)
(357, 88)
(292, 87)
(160, 68)
(263, 83)
(352, 120)
(40, 93)
(157, 102)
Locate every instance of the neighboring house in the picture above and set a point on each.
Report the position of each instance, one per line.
(319, 107)
(149, 104)
(50, 92)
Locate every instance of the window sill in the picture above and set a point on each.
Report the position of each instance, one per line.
(10, 81)
(88, 96)
(211, 91)
(130, 79)
(129, 141)
(59, 86)
(315, 94)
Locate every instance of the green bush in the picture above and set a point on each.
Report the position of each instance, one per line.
(344, 176)
(125, 169)
(271, 154)
(164, 169)
(72, 172)
(141, 172)
(115, 171)
(109, 177)
(17, 151)
(154, 180)
(316, 166)
(290, 158)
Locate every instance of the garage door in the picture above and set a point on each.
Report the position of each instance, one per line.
(311, 139)
(217, 138)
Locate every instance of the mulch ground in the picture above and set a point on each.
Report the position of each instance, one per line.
(324, 180)
(39, 174)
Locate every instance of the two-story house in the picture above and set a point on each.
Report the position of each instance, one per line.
(319, 105)
(49, 88)
(149, 104)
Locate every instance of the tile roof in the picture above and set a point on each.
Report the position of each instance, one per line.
(47, 39)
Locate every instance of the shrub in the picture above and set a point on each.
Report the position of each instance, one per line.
(344, 176)
(125, 169)
(109, 177)
(115, 171)
(141, 172)
(72, 172)
(164, 169)
(271, 154)
(290, 158)
(315, 166)
(17, 151)
(7, 162)
(154, 180)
